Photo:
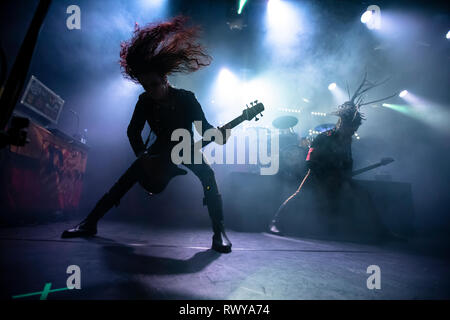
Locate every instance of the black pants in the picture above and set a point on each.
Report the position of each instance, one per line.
(134, 173)
(337, 204)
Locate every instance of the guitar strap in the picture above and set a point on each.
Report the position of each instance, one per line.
(150, 132)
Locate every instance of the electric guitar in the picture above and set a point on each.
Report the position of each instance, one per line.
(382, 162)
(158, 171)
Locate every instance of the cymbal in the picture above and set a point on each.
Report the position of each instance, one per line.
(324, 127)
(285, 122)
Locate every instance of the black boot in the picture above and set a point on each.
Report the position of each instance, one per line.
(85, 228)
(220, 241)
(88, 227)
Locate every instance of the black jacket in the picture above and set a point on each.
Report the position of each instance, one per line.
(182, 111)
(330, 155)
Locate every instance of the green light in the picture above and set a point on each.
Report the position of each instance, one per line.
(241, 5)
(407, 110)
(396, 107)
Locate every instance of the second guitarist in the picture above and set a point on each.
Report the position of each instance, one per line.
(154, 52)
(330, 163)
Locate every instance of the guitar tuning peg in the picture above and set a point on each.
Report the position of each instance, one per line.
(256, 118)
(261, 114)
(255, 102)
(246, 106)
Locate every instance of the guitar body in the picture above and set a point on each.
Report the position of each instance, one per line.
(156, 172)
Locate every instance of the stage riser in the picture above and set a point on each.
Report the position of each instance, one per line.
(251, 200)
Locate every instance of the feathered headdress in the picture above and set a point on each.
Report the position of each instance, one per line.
(349, 112)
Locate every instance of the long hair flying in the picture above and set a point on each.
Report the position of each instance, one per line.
(164, 48)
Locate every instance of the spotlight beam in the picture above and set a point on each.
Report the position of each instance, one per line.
(428, 112)
(338, 94)
(399, 108)
(241, 5)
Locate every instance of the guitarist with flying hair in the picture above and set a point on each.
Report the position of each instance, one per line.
(154, 52)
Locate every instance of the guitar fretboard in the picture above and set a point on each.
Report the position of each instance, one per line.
(233, 123)
(230, 125)
(376, 165)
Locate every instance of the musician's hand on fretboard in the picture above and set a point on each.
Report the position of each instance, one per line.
(226, 133)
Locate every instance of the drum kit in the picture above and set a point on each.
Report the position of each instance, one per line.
(293, 150)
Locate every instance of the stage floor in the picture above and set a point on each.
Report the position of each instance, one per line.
(132, 261)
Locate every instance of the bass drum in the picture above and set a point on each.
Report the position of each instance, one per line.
(293, 161)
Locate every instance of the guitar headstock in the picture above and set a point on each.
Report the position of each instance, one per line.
(252, 112)
(385, 161)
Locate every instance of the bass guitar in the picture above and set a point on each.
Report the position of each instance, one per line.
(157, 171)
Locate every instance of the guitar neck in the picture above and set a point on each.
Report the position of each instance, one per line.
(359, 171)
(230, 125)
(233, 123)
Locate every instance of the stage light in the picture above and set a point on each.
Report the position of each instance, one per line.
(403, 93)
(277, 15)
(274, 12)
(448, 35)
(283, 23)
(289, 110)
(366, 16)
(372, 17)
(152, 4)
(241, 5)
(226, 90)
(227, 79)
(156, 9)
(338, 94)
